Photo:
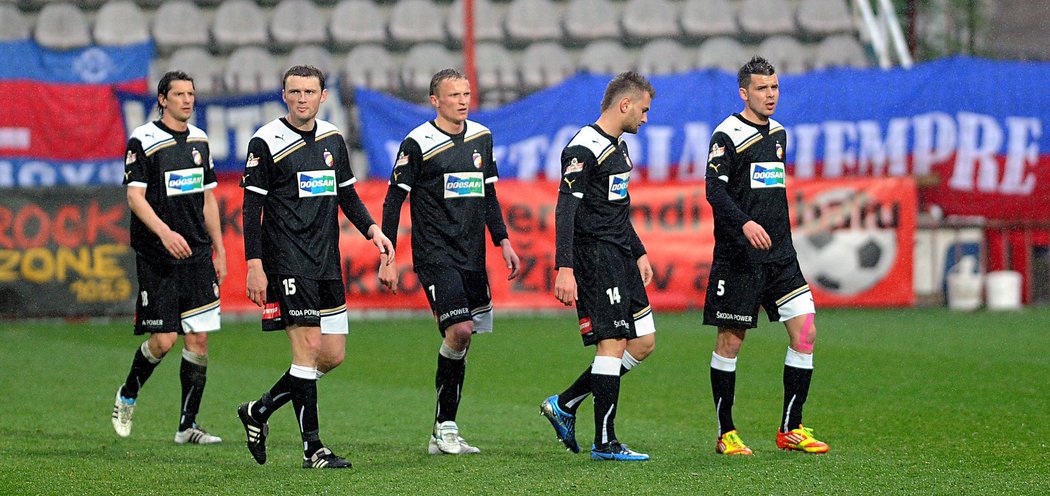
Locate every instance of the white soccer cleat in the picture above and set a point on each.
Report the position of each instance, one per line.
(196, 435)
(446, 441)
(123, 409)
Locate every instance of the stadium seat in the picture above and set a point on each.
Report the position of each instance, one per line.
(663, 56)
(206, 70)
(824, 17)
(488, 21)
(840, 50)
(606, 57)
(238, 23)
(787, 54)
(416, 21)
(370, 66)
(644, 20)
(545, 64)
(120, 22)
(762, 18)
(421, 62)
(722, 52)
(297, 22)
(315, 55)
(62, 26)
(251, 69)
(497, 74)
(13, 25)
(587, 20)
(356, 22)
(178, 24)
(528, 21)
(706, 18)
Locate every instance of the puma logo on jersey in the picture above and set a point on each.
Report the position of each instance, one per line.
(568, 182)
(714, 166)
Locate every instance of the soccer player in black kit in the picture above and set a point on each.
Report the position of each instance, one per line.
(296, 179)
(446, 165)
(754, 260)
(602, 265)
(180, 257)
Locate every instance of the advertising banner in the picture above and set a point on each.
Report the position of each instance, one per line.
(65, 254)
(980, 138)
(60, 123)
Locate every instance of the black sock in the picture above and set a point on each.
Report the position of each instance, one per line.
(141, 368)
(570, 399)
(304, 400)
(278, 395)
(606, 389)
(796, 389)
(193, 374)
(723, 390)
(448, 381)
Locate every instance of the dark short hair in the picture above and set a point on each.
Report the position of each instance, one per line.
(442, 75)
(626, 82)
(757, 65)
(303, 71)
(164, 85)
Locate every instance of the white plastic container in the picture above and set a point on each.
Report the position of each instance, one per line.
(1003, 290)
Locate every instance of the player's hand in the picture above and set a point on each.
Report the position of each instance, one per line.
(757, 236)
(645, 269)
(256, 282)
(511, 258)
(565, 286)
(219, 260)
(176, 244)
(382, 243)
(388, 274)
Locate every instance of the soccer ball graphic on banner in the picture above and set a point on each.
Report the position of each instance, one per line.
(848, 253)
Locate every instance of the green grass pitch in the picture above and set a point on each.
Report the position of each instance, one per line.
(913, 401)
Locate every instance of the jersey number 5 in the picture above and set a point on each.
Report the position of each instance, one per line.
(721, 287)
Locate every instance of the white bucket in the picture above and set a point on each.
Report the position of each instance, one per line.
(1004, 290)
(964, 291)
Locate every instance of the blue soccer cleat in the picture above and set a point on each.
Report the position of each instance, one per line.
(564, 423)
(617, 452)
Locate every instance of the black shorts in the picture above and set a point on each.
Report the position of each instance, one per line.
(176, 297)
(457, 295)
(301, 301)
(612, 301)
(734, 292)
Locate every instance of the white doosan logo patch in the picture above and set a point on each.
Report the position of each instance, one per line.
(464, 184)
(768, 175)
(184, 181)
(618, 186)
(316, 183)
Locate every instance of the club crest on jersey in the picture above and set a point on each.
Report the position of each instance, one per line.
(252, 161)
(477, 159)
(402, 159)
(328, 160)
(768, 175)
(780, 151)
(718, 151)
(130, 158)
(464, 185)
(573, 167)
(197, 159)
(184, 181)
(316, 183)
(618, 186)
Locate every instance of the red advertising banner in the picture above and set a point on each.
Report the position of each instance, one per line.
(855, 239)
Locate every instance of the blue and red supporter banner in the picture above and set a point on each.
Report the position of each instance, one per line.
(970, 123)
(60, 122)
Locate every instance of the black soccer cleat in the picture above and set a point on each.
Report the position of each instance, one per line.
(324, 458)
(256, 432)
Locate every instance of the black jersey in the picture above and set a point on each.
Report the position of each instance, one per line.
(300, 174)
(746, 180)
(446, 176)
(175, 167)
(596, 170)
